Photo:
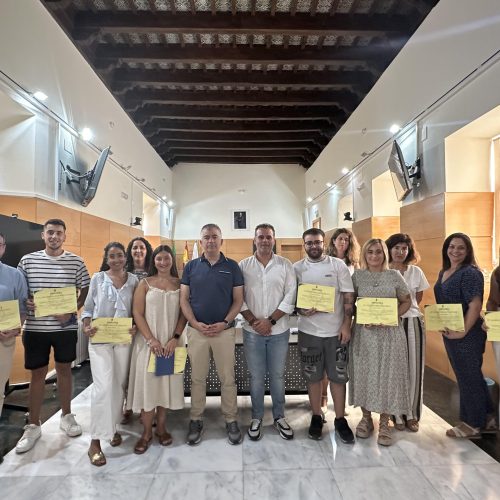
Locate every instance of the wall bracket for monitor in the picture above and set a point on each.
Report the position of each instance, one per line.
(73, 175)
(415, 170)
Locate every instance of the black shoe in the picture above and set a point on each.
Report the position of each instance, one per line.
(343, 431)
(195, 432)
(316, 427)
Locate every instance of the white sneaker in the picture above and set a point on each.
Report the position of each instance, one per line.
(69, 425)
(30, 436)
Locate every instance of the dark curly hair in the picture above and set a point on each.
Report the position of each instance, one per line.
(149, 252)
(470, 259)
(107, 248)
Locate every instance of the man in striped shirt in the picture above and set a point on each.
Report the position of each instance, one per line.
(52, 267)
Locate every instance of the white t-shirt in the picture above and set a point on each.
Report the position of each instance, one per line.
(331, 272)
(417, 282)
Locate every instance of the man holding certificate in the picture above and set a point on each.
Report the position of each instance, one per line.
(324, 329)
(51, 324)
(269, 294)
(13, 295)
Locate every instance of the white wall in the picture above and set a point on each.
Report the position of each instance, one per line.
(207, 193)
(37, 55)
(456, 37)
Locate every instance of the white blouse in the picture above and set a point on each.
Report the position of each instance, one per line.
(106, 301)
(417, 282)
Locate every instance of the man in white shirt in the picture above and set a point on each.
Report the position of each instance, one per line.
(269, 293)
(323, 336)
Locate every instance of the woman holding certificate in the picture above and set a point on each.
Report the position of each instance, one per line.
(378, 351)
(343, 245)
(161, 323)
(461, 282)
(110, 296)
(402, 257)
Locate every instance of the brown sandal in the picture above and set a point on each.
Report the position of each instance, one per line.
(384, 431)
(142, 446)
(127, 417)
(365, 427)
(98, 459)
(464, 431)
(117, 440)
(412, 425)
(165, 438)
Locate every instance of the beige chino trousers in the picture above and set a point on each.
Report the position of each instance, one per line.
(222, 348)
(7, 348)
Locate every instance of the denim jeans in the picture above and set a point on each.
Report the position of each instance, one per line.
(266, 355)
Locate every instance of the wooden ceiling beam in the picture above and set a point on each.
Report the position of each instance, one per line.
(260, 23)
(125, 78)
(241, 145)
(108, 57)
(238, 160)
(237, 152)
(163, 137)
(343, 99)
(203, 126)
(151, 112)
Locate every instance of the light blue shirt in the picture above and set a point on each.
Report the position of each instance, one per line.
(13, 286)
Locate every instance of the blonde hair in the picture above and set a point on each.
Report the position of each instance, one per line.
(367, 245)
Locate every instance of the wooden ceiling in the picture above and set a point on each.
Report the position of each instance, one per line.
(239, 81)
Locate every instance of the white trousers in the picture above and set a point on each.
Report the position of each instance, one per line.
(496, 351)
(110, 365)
(7, 348)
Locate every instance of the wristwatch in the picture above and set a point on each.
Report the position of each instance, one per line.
(177, 335)
(273, 321)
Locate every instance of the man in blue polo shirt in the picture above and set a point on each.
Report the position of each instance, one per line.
(211, 297)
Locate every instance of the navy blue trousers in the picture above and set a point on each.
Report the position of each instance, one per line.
(466, 358)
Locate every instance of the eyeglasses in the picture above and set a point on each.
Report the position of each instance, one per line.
(316, 243)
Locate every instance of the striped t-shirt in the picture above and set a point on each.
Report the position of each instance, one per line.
(43, 271)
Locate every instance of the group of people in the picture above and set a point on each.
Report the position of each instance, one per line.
(383, 364)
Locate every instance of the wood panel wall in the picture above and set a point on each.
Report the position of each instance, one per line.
(86, 235)
(375, 227)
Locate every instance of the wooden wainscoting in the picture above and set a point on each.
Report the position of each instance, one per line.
(375, 227)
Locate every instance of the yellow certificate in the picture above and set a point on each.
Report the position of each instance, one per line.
(492, 320)
(10, 319)
(377, 311)
(112, 331)
(441, 316)
(321, 297)
(180, 359)
(54, 301)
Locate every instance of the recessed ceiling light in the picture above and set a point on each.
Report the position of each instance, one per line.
(164, 198)
(309, 199)
(86, 134)
(345, 170)
(40, 96)
(395, 128)
(329, 184)
(170, 203)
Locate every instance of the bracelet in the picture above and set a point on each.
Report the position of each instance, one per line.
(177, 336)
(252, 321)
(148, 342)
(226, 321)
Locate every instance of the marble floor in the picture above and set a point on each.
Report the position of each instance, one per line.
(423, 465)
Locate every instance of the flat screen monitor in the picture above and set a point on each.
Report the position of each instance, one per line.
(399, 172)
(90, 183)
(22, 237)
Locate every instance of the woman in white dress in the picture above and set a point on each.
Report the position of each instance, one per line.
(110, 296)
(402, 257)
(160, 323)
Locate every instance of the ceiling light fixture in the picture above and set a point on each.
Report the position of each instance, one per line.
(170, 203)
(309, 199)
(395, 128)
(345, 170)
(329, 184)
(164, 198)
(40, 96)
(86, 134)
